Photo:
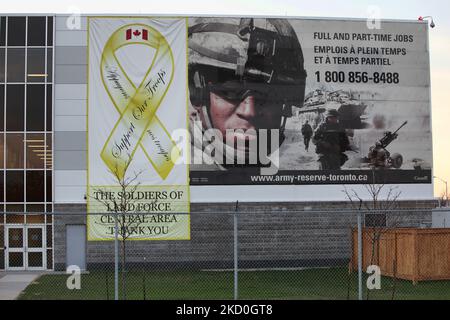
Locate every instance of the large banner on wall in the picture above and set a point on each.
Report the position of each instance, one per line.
(258, 102)
(308, 101)
(137, 99)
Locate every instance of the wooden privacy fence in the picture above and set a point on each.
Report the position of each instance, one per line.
(405, 253)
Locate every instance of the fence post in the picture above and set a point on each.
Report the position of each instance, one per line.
(360, 293)
(116, 258)
(235, 233)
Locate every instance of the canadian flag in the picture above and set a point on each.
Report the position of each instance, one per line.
(136, 34)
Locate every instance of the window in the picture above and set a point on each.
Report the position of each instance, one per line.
(35, 110)
(35, 208)
(16, 65)
(2, 148)
(49, 65)
(2, 64)
(2, 107)
(1, 193)
(36, 31)
(14, 151)
(2, 30)
(15, 99)
(35, 186)
(16, 31)
(15, 218)
(26, 124)
(49, 155)
(14, 187)
(49, 108)
(35, 149)
(50, 31)
(49, 187)
(36, 65)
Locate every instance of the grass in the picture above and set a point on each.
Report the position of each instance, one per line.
(330, 283)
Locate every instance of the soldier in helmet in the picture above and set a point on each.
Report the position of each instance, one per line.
(244, 75)
(378, 156)
(331, 142)
(307, 132)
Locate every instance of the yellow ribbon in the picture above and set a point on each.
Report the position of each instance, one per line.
(138, 126)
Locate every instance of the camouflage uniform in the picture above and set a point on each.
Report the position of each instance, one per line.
(331, 142)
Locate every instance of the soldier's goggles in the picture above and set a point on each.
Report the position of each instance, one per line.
(236, 92)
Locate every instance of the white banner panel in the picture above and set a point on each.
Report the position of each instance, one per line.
(137, 99)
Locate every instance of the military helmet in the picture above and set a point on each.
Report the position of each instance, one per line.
(332, 113)
(259, 55)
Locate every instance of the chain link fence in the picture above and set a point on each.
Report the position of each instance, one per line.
(309, 254)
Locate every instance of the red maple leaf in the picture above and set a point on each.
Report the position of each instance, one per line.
(136, 33)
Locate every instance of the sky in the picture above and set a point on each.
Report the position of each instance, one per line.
(388, 9)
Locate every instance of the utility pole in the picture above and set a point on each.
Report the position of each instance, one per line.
(360, 255)
(446, 189)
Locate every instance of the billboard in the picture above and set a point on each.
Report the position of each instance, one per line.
(308, 102)
(285, 109)
(136, 84)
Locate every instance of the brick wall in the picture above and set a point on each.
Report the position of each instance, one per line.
(270, 235)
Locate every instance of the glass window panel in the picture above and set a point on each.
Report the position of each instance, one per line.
(49, 259)
(35, 259)
(35, 218)
(35, 186)
(16, 65)
(35, 146)
(2, 105)
(49, 186)
(49, 159)
(35, 107)
(2, 30)
(2, 190)
(2, 238)
(2, 258)
(14, 186)
(15, 107)
(49, 108)
(14, 150)
(16, 208)
(16, 31)
(36, 31)
(49, 31)
(15, 259)
(35, 237)
(15, 237)
(49, 65)
(49, 209)
(2, 64)
(36, 65)
(14, 218)
(49, 236)
(35, 208)
(2, 145)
